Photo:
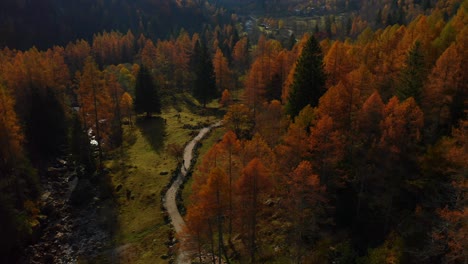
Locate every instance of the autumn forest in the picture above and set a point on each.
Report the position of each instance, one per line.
(337, 131)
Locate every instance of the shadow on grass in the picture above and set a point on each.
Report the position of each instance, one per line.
(153, 129)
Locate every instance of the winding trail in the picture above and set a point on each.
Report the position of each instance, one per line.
(170, 198)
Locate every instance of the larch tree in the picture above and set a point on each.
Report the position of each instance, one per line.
(305, 209)
(293, 148)
(368, 135)
(337, 63)
(309, 79)
(251, 187)
(240, 55)
(231, 145)
(239, 119)
(326, 148)
(214, 196)
(146, 93)
(148, 54)
(226, 98)
(126, 106)
(94, 101)
(400, 127)
(222, 71)
(271, 122)
(443, 91)
(340, 102)
(11, 136)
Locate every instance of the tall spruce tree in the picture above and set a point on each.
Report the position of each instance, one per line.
(309, 79)
(205, 83)
(413, 75)
(146, 94)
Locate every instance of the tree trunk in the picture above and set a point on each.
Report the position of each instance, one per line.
(98, 131)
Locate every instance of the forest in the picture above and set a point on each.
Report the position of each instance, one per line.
(344, 144)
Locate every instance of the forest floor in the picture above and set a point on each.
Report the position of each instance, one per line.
(139, 171)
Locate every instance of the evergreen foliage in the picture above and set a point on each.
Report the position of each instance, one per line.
(309, 79)
(205, 82)
(412, 75)
(146, 94)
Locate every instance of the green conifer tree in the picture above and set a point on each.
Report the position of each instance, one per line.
(412, 76)
(205, 83)
(146, 94)
(309, 79)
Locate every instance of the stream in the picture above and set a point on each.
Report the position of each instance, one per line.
(71, 224)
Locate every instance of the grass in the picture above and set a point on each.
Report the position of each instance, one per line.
(136, 176)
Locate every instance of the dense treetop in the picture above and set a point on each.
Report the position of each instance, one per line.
(337, 150)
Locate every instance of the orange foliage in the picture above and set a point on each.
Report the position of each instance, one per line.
(96, 108)
(226, 98)
(326, 147)
(401, 125)
(11, 136)
(222, 72)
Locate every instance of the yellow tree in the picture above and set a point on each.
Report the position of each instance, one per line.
(96, 109)
(11, 136)
(126, 105)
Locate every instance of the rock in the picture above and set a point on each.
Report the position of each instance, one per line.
(82, 194)
(54, 172)
(48, 258)
(62, 162)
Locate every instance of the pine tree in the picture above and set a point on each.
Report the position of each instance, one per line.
(309, 79)
(292, 41)
(413, 75)
(205, 83)
(146, 94)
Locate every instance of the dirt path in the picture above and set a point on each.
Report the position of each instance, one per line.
(170, 197)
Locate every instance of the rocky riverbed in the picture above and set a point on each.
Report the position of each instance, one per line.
(76, 217)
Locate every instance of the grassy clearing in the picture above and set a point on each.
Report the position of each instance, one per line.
(136, 173)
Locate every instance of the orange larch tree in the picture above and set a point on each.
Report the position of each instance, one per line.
(442, 92)
(252, 186)
(96, 109)
(304, 208)
(11, 135)
(222, 71)
(326, 147)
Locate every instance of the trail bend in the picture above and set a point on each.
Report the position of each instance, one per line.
(170, 198)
